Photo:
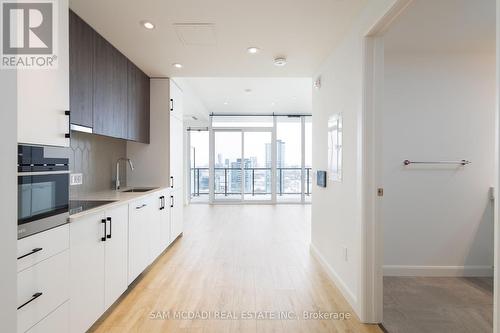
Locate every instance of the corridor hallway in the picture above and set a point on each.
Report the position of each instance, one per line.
(235, 261)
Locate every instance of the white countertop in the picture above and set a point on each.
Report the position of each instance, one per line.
(119, 197)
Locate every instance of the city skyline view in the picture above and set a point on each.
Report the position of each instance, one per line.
(252, 151)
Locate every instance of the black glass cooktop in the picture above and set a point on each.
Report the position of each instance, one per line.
(78, 206)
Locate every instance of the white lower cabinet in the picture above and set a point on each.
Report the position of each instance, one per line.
(116, 255)
(163, 220)
(176, 214)
(87, 271)
(141, 213)
(41, 289)
(56, 322)
(98, 246)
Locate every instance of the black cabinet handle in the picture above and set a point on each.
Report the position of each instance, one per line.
(32, 252)
(141, 206)
(68, 135)
(110, 226)
(162, 202)
(34, 297)
(171, 104)
(103, 221)
(172, 182)
(171, 201)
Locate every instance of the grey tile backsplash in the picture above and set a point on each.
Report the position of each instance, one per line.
(95, 157)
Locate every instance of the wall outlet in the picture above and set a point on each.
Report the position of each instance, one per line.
(76, 179)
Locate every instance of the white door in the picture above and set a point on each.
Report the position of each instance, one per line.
(163, 216)
(176, 214)
(176, 101)
(116, 255)
(140, 213)
(43, 94)
(155, 227)
(176, 152)
(87, 239)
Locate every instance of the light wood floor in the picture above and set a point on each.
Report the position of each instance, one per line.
(239, 259)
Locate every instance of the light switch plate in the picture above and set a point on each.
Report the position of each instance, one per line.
(76, 179)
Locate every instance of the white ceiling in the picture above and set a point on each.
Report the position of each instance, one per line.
(268, 95)
(304, 31)
(444, 26)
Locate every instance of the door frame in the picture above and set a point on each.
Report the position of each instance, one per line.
(371, 282)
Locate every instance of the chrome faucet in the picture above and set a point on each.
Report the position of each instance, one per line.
(117, 183)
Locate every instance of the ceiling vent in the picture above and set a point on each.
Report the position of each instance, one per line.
(196, 34)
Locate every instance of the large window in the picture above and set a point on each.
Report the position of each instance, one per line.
(252, 159)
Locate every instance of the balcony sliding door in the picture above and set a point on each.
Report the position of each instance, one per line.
(258, 157)
(228, 165)
(264, 159)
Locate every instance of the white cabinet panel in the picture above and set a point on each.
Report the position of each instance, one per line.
(87, 271)
(176, 214)
(43, 94)
(164, 217)
(162, 223)
(156, 226)
(176, 153)
(56, 322)
(33, 249)
(176, 101)
(46, 284)
(116, 255)
(140, 214)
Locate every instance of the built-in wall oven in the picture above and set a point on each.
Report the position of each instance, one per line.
(42, 190)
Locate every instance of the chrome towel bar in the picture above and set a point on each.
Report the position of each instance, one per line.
(462, 162)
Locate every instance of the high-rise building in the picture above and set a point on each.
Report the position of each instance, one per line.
(280, 154)
(280, 162)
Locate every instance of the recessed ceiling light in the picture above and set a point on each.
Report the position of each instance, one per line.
(280, 61)
(226, 102)
(248, 90)
(148, 25)
(272, 103)
(253, 50)
(177, 65)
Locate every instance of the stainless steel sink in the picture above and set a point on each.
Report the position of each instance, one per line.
(140, 189)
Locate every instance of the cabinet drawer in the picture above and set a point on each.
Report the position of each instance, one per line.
(50, 278)
(51, 242)
(56, 322)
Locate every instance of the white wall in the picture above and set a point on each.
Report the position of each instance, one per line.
(438, 106)
(8, 201)
(337, 210)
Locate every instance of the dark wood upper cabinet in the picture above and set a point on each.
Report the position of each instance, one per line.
(110, 90)
(107, 91)
(81, 54)
(138, 104)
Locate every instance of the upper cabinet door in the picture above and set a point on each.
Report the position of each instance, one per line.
(110, 90)
(43, 94)
(176, 101)
(138, 104)
(81, 54)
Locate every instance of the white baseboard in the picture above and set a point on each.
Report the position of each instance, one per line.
(444, 271)
(335, 278)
